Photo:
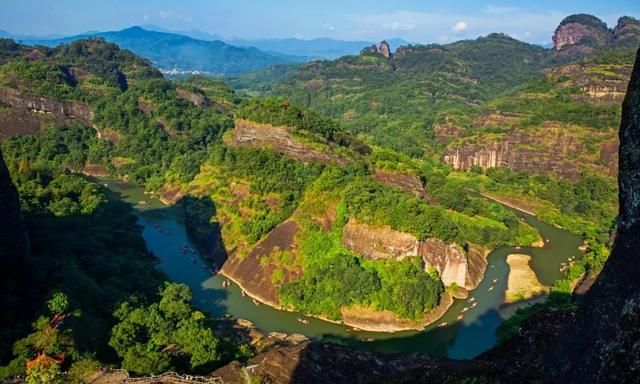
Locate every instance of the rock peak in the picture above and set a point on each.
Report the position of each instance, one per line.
(384, 49)
(585, 31)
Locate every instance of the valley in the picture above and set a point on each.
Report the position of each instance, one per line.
(447, 200)
(165, 233)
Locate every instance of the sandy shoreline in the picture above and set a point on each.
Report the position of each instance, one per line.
(522, 282)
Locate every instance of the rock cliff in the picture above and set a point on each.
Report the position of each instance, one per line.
(384, 49)
(453, 263)
(14, 242)
(627, 31)
(254, 271)
(581, 33)
(408, 182)
(597, 84)
(26, 112)
(551, 148)
(279, 139)
(603, 343)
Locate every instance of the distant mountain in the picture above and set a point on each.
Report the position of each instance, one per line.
(192, 33)
(174, 53)
(320, 48)
(8, 35)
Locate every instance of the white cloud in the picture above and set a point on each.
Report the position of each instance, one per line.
(328, 27)
(427, 27)
(460, 26)
(164, 14)
(398, 26)
(145, 17)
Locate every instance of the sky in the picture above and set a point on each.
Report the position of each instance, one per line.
(420, 21)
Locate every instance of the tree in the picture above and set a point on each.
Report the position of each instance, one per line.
(154, 338)
(44, 373)
(58, 303)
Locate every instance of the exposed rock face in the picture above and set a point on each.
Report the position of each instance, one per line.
(371, 49)
(446, 130)
(597, 86)
(402, 51)
(14, 242)
(603, 344)
(627, 31)
(515, 361)
(552, 148)
(197, 99)
(585, 30)
(407, 182)
(250, 134)
(253, 274)
(384, 49)
(26, 111)
(450, 260)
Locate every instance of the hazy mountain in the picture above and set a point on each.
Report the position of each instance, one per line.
(178, 53)
(320, 48)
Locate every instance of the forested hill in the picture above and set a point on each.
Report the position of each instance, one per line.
(169, 51)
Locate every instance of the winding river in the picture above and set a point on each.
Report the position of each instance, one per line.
(164, 232)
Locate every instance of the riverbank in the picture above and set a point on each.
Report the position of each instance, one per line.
(518, 206)
(165, 234)
(362, 318)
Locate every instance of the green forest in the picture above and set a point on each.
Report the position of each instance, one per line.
(370, 113)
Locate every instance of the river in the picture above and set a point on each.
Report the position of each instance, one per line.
(165, 233)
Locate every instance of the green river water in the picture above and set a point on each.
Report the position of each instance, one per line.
(164, 232)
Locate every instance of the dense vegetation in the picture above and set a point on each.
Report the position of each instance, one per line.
(87, 256)
(88, 249)
(335, 278)
(394, 103)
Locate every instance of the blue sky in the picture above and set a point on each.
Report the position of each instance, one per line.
(418, 21)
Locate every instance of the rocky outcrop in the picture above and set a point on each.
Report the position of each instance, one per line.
(408, 182)
(627, 31)
(279, 139)
(598, 84)
(254, 270)
(384, 49)
(552, 148)
(14, 242)
(515, 361)
(603, 343)
(197, 99)
(581, 31)
(402, 51)
(25, 113)
(453, 263)
(373, 49)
